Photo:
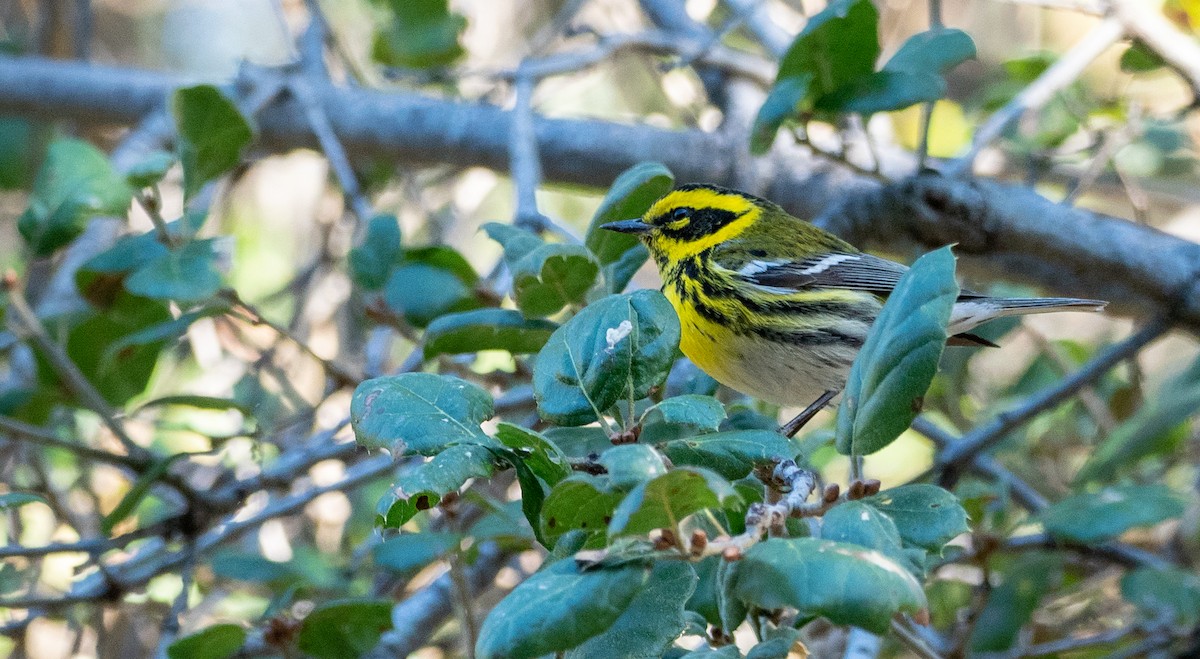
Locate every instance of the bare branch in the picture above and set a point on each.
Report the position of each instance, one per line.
(957, 454)
(1007, 228)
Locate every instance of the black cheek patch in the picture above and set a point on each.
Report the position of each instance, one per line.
(705, 221)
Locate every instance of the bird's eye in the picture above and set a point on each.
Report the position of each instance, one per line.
(681, 214)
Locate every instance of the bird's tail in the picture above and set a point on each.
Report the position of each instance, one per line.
(969, 313)
(1019, 306)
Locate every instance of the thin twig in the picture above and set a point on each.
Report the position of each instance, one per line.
(1059, 75)
(35, 435)
(792, 427)
(983, 437)
(72, 377)
(913, 641)
(1179, 50)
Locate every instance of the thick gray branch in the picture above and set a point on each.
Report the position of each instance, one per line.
(1008, 229)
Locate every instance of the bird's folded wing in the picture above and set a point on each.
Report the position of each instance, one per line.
(853, 271)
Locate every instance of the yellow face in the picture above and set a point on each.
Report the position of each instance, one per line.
(694, 218)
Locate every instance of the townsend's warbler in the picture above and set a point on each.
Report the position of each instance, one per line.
(775, 307)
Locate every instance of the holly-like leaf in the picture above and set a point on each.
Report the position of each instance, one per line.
(1012, 603)
(149, 170)
(215, 642)
(409, 552)
(419, 413)
(542, 456)
(75, 184)
(652, 621)
(857, 523)
(1167, 593)
(546, 276)
(422, 293)
(630, 196)
(667, 499)
(371, 261)
(420, 34)
(731, 454)
(1152, 430)
(632, 464)
(701, 412)
(1098, 516)
(847, 584)
(346, 628)
(785, 101)
(617, 348)
(187, 274)
(897, 362)
(580, 502)
(486, 329)
(559, 608)
(926, 516)
(422, 486)
(212, 134)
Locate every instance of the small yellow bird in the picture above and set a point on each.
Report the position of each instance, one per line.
(775, 307)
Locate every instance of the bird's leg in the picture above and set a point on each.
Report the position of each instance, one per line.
(792, 427)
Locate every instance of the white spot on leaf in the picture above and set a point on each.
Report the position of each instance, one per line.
(613, 335)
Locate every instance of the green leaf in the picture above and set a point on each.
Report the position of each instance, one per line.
(884, 91)
(418, 413)
(857, 523)
(893, 369)
(934, 51)
(1098, 516)
(10, 500)
(913, 75)
(545, 459)
(122, 374)
(422, 486)
(442, 258)
(533, 491)
(344, 629)
(847, 584)
(558, 608)
(1152, 430)
(837, 46)
(212, 134)
(631, 195)
(187, 274)
(21, 146)
(1011, 604)
(731, 454)
(215, 642)
(422, 292)
(75, 184)
(1140, 58)
(579, 502)
(546, 276)
(102, 277)
(199, 402)
(420, 34)
(784, 102)
(486, 329)
(371, 261)
(1169, 594)
(616, 348)
(410, 552)
(926, 516)
(632, 464)
(141, 487)
(652, 621)
(667, 499)
(778, 644)
(702, 412)
(149, 170)
(251, 567)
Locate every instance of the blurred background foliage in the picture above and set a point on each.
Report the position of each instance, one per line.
(241, 345)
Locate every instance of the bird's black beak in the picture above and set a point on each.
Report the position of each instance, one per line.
(627, 226)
